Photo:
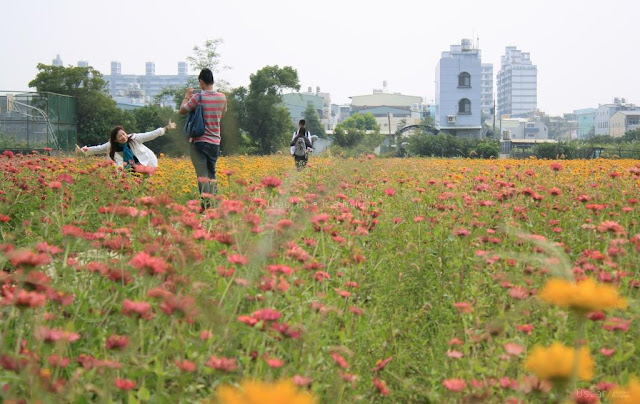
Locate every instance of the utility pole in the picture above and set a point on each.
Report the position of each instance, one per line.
(494, 117)
(389, 120)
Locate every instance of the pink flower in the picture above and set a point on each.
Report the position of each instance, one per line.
(117, 341)
(340, 360)
(454, 354)
(237, 259)
(152, 265)
(271, 182)
(301, 381)
(456, 385)
(390, 192)
(513, 348)
(224, 364)
(607, 352)
(142, 309)
(186, 365)
(54, 335)
(125, 384)
(519, 292)
(381, 386)
(525, 328)
(266, 314)
(274, 362)
(381, 364)
(463, 307)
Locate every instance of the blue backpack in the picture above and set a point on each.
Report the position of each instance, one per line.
(194, 127)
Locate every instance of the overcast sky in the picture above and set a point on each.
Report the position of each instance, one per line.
(586, 51)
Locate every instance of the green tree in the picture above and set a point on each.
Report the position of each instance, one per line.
(313, 122)
(97, 112)
(266, 119)
(352, 132)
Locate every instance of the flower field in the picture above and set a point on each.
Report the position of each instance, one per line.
(355, 280)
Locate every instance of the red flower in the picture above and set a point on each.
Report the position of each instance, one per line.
(390, 192)
(525, 328)
(454, 341)
(456, 385)
(462, 307)
(186, 365)
(607, 352)
(4, 218)
(225, 364)
(340, 360)
(615, 323)
(152, 265)
(27, 258)
(142, 309)
(454, 354)
(301, 381)
(274, 362)
(596, 315)
(266, 314)
(125, 384)
(584, 396)
(381, 363)
(237, 259)
(142, 169)
(271, 182)
(513, 348)
(117, 341)
(54, 335)
(247, 320)
(519, 292)
(381, 386)
(29, 299)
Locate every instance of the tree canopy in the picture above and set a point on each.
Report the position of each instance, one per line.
(313, 122)
(97, 112)
(266, 119)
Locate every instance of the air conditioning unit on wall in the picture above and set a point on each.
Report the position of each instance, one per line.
(451, 119)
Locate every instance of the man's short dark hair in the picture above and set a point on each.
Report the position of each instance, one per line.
(206, 75)
(302, 122)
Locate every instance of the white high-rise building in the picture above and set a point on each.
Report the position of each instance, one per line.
(486, 88)
(517, 84)
(458, 89)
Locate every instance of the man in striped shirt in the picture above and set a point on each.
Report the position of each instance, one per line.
(205, 150)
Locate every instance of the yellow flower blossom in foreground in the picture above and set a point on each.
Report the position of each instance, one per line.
(584, 296)
(626, 395)
(556, 362)
(256, 392)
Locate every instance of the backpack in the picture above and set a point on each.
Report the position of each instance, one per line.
(300, 147)
(194, 127)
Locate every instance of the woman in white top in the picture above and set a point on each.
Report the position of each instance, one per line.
(129, 149)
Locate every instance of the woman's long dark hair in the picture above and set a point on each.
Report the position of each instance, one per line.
(302, 131)
(114, 145)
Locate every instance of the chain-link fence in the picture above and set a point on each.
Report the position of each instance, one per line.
(30, 120)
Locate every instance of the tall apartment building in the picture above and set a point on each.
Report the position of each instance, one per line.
(517, 84)
(458, 91)
(57, 61)
(141, 89)
(486, 88)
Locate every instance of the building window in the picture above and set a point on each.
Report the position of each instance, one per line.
(464, 79)
(464, 107)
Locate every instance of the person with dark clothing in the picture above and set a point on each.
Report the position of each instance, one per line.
(300, 147)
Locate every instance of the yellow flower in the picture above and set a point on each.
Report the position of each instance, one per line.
(626, 395)
(584, 296)
(256, 392)
(556, 362)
